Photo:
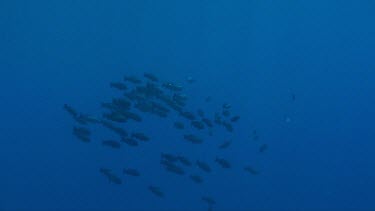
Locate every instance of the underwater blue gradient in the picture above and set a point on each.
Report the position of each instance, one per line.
(252, 54)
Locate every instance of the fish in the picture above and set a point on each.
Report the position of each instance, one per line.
(204, 166)
(251, 170)
(188, 115)
(132, 172)
(115, 117)
(133, 116)
(235, 118)
(129, 141)
(208, 200)
(226, 106)
(110, 176)
(228, 126)
(172, 87)
(179, 125)
(263, 148)
(184, 160)
(140, 136)
(175, 169)
(226, 113)
(193, 139)
(196, 178)
(151, 77)
(200, 113)
(198, 125)
(132, 79)
(156, 191)
(112, 144)
(223, 163)
(207, 122)
(118, 85)
(71, 110)
(82, 131)
(120, 131)
(169, 157)
(225, 145)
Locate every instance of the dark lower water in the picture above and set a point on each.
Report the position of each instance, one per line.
(300, 74)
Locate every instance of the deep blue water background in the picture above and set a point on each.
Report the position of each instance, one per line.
(252, 54)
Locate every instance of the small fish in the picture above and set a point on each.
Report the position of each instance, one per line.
(251, 170)
(140, 136)
(156, 191)
(225, 145)
(196, 178)
(179, 125)
(208, 200)
(223, 163)
(132, 172)
(235, 118)
(184, 160)
(263, 148)
(129, 141)
(151, 77)
(112, 144)
(118, 85)
(204, 166)
(132, 79)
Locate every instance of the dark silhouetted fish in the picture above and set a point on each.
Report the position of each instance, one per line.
(226, 113)
(115, 117)
(198, 125)
(140, 136)
(151, 77)
(132, 79)
(228, 126)
(196, 178)
(71, 110)
(193, 139)
(172, 87)
(112, 144)
(251, 170)
(223, 163)
(184, 160)
(132, 172)
(218, 119)
(118, 85)
(132, 116)
(129, 141)
(188, 115)
(121, 103)
(263, 148)
(225, 145)
(207, 122)
(255, 135)
(110, 176)
(190, 80)
(179, 125)
(235, 118)
(200, 113)
(169, 157)
(88, 119)
(208, 200)
(173, 168)
(204, 166)
(82, 133)
(156, 191)
(226, 106)
(121, 132)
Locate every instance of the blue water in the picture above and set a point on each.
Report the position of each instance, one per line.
(252, 54)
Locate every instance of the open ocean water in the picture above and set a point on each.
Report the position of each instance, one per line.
(299, 75)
